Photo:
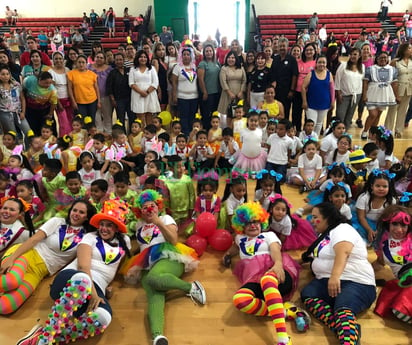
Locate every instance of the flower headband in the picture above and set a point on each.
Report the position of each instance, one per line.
(281, 197)
(248, 212)
(236, 174)
(273, 173)
(378, 172)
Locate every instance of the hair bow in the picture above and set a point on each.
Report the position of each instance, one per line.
(176, 119)
(119, 123)
(67, 138)
(310, 138)
(80, 116)
(240, 103)
(386, 134)
(280, 196)
(272, 120)
(406, 197)
(347, 135)
(138, 121)
(236, 174)
(49, 122)
(13, 133)
(278, 177)
(345, 168)
(334, 164)
(254, 110)
(389, 174)
(330, 185)
(208, 175)
(87, 120)
(30, 133)
(260, 174)
(361, 173)
(198, 116)
(344, 186)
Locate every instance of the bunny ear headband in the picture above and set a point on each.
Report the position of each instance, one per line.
(17, 152)
(117, 158)
(51, 151)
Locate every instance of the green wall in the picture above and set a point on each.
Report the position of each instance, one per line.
(172, 13)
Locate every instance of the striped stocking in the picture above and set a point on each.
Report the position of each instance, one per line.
(245, 300)
(321, 310)
(14, 277)
(347, 328)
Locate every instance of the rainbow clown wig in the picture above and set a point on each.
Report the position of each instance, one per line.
(249, 212)
(145, 196)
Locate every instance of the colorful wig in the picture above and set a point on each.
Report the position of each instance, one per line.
(145, 196)
(249, 212)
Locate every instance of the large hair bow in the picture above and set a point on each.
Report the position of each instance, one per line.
(236, 174)
(280, 196)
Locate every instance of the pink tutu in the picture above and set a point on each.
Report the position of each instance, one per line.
(251, 165)
(302, 236)
(252, 270)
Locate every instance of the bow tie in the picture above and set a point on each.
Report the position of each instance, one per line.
(89, 175)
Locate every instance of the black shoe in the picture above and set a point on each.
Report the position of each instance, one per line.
(302, 189)
(359, 123)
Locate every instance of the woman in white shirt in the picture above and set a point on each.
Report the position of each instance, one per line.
(348, 84)
(344, 283)
(81, 309)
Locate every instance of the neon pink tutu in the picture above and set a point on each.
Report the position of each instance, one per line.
(302, 236)
(251, 165)
(251, 270)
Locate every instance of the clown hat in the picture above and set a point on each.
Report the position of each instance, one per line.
(357, 157)
(114, 211)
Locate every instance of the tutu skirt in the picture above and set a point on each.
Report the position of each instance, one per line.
(393, 296)
(148, 257)
(252, 270)
(315, 197)
(302, 236)
(251, 165)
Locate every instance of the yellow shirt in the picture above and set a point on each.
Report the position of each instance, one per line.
(83, 86)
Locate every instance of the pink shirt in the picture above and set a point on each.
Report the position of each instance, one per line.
(304, 68)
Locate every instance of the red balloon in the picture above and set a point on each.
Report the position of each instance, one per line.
(221, 240)
(198, 243)
(206, 224)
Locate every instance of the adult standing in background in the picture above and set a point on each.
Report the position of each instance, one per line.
(385, 8)
(126, 20)
(165, 36)
(118, 89)
(233, 83)
(284, 73)
(222, 51)
(83, 89)
(103, 119)
(32, 45)
(313, 22)
(144, 82)
(208, 74)
(14, 68)
(348, 86)
(184, 88)
(158, 61)
(403, 63)
(110, 21)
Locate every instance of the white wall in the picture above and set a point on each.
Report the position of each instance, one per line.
(326, 6)
(56, 8)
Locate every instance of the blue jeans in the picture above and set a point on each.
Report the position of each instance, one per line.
(187, 109)
(60, 282)
(87, 110)
(279, 168)
(354, 296)
(9, 121)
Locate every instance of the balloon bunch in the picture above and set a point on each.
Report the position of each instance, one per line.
(206, 233)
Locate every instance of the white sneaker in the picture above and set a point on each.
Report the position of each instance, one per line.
(197, 293)
(160, 340)
(364, 135)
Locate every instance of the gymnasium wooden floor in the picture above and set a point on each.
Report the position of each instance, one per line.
(218, 322)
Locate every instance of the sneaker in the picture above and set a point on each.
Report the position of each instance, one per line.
(288, 343)
(32, 337)
(299, 212)
(197, 293)
(160, 340)
(302, 189)
(359, 123)
(364, 135)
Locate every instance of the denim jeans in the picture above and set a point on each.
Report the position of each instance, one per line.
(9, 121)
(87, 110)
(60, 282)
(187, 109)
(354, 296)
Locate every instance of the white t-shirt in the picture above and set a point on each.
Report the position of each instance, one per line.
(225, 149)
(186, 83)
(266, 202)
(148, 235)
(232, 203)
(383, 157)
(89, 177)
(60, 82)
(329, 143)
(371, 213)
(105, 258)
(60, 245)
(357, 267)
(339, 158)
(372, 165)
(345, 211)
(310, 166)
(303, 136)
(279, 147)
(251, 246)
(297, 145)
(284, 227)
(251, 142)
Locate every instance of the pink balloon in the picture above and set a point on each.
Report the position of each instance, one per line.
(198, 243)
(221, 240)
(206, 224)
